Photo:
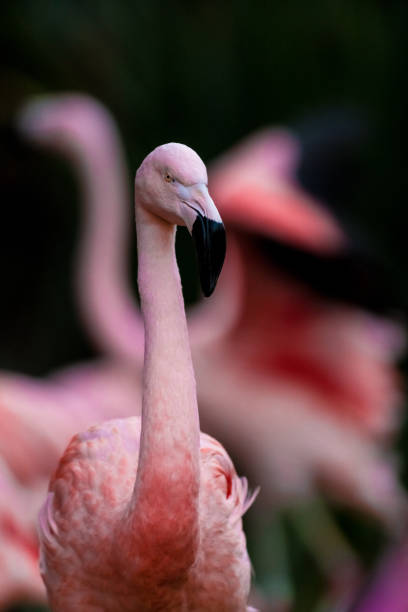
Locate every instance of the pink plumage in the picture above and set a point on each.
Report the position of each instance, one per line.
(84, 534)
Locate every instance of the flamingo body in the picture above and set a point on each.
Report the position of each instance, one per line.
(82, 525)
(145, 513)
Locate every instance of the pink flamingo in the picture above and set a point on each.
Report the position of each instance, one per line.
(83, 131)
(79, 396)
(153, 505)
(319, 375)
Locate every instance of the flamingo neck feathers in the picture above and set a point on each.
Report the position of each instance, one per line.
(167, 484)
(103, 290)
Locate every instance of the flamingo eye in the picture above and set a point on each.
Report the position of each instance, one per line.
(168, 178)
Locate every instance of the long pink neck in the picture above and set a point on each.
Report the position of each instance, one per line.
(103, 292)
(167, 484)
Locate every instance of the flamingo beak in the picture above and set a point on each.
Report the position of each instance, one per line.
(207, 230)
(210, 243)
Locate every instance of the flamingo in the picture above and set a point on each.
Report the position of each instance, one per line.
(83, 131)
(152, 506)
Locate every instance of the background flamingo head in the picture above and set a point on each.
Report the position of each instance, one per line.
(172, 184)
(70, 123)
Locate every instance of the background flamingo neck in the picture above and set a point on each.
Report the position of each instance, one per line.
(103, 292)
(167, 484)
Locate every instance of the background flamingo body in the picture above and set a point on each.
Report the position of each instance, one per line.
(40, 417)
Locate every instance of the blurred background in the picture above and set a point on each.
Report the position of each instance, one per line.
(207, 74)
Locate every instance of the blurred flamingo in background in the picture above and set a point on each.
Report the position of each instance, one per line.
(39, 417)
(83, 131)
(319, 376)
(342, 352)
(83, 394)
(154, 507)
(318, 373)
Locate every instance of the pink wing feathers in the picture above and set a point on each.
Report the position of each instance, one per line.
(216, 459)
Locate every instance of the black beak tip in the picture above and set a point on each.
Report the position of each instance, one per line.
(210, 241)
(208, 292)
(208, 289)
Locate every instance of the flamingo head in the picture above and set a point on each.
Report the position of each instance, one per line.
(66, 122)
(172, 184)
